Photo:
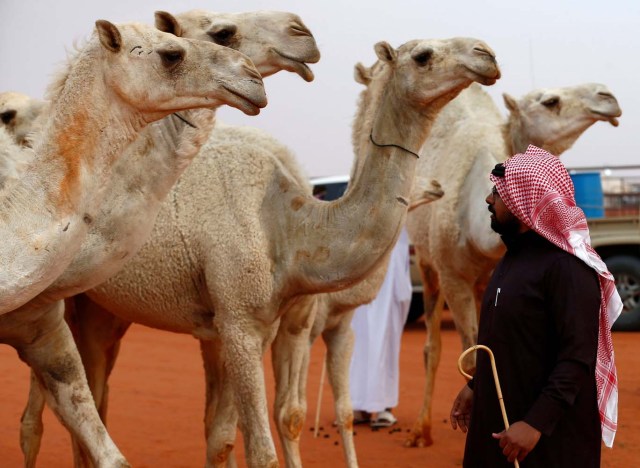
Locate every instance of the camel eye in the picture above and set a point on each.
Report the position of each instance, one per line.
(551, 102)
(170, 58)
(223, 36)
(423, 57)
(8, 116)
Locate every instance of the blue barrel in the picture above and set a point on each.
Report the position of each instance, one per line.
(589, 196)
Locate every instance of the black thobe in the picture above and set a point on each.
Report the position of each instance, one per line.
(539, 316)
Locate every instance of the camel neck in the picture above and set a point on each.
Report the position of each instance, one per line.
(360, 229)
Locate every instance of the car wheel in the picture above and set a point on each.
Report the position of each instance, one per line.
(626, 271)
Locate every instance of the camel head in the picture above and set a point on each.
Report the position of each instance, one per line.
(553, 119)
(158, 73)
(273, 40)
(428, 71)
(420, 77)
(18, 113)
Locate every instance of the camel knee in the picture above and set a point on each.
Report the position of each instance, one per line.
(344, 419)
(431, 353)
(221, 456)
(291, 423)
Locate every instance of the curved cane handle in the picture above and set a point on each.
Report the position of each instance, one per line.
(467, 351)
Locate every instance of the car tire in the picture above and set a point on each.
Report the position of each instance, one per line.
(626, 271)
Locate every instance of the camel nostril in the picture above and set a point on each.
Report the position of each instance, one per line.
(298, 30)
(483, 51)
(253, 73)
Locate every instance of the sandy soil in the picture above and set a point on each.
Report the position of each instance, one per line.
(157, 398)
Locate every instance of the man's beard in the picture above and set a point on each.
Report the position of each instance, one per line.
(509, 227)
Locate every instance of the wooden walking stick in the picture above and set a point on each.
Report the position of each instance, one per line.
(495, 378)
(317, 421)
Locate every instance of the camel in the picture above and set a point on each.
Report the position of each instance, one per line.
(12, 161)
(152, 164)
(97, 109)
(161, 155)
(48, 211)
(17, 114)
(334, 312)
(454, 244)
(275, 40)
(240, 241)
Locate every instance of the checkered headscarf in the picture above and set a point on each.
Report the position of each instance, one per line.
(537, 189)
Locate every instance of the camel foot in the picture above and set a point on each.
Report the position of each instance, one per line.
(419, 440)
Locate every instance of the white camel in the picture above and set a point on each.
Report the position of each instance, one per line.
(334, 312)
(17, 114)
(240, 242)
(152, 164)
(455, 247)
(97, 108)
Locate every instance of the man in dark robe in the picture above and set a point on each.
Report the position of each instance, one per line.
(546, 316)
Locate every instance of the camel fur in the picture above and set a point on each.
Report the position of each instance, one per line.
(159, 156)
(455, 247)
(18, 113)
(239, 243)
(48, 212)
(106, 72)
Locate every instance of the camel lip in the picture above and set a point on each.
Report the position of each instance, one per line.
(298, 65)
(611, 118)
(484, 78)
(246, 105)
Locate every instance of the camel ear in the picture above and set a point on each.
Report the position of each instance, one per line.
(511, 103)
(168, 23)
(362, 74)
(385, 52)
(109, 35)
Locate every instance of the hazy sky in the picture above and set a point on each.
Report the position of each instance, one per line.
(543, 43)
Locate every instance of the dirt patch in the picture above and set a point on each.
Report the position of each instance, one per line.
(157, 400)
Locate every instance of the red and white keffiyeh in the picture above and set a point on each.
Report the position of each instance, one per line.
(538, 190)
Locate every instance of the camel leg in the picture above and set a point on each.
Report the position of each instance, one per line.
(43, 340)
(421, 432)
(31, 427)
(290, 351)
(339, 341)
(460, 296)
(221, 417)
(98, 335)
(242, 340)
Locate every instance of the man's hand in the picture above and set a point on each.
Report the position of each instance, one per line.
(461, 410)
(518, 440)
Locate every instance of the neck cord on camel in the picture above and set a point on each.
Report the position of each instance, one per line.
(391, 145)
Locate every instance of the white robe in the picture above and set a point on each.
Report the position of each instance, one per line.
(378, 326)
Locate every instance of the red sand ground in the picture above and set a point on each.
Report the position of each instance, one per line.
(157, 398)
